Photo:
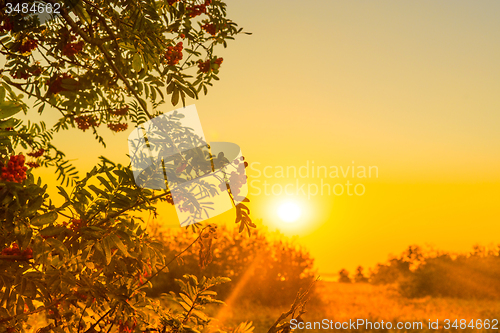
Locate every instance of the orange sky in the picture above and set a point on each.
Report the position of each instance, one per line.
(409, 87)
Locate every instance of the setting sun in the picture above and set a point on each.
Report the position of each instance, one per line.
(289, 212)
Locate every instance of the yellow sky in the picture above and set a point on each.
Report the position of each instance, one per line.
(409, 87)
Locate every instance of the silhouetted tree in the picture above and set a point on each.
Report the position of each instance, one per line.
(360, 277)
(344, 276)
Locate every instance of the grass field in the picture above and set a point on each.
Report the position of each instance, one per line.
(341, 302)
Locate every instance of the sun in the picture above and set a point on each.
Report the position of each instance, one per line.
(289, 212)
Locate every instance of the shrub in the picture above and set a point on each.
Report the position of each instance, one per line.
(262, 269)
(466, 276)
(417, 273)
(360, 276)
(344, 276)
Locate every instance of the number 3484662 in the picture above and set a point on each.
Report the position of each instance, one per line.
(472, 324)
(32, 8)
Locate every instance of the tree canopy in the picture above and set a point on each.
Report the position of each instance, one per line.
(84, 265)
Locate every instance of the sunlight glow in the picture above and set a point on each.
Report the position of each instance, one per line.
(289, 212)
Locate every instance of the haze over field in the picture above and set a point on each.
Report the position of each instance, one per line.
(410, 88)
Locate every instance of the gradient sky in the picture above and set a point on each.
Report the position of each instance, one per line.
(411, 87)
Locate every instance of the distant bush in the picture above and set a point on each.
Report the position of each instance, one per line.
(360, 277)
(264, 268)
(344, 276)
(418, 274)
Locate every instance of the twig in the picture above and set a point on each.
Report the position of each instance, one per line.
(174, 258)
(298, 304)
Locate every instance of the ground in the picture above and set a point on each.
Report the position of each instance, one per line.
(341, 302)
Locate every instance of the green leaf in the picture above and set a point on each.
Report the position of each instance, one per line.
(82, 13)
(11, 122)
(63, 192)
(33, 206)
(137, 62)
(175, 96)
(185, 306)
(57, 244)
(98, 191)
(119, 244)
(107, 250)
(200, 315)
(8, 109)
(186, 299)
(52, 231)
(44, 219)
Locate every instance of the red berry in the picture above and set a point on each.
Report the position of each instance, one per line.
(28, 45)
(196, 10)
(55, 84)
(5, 24)
(118, 127)
(37, 153)
(206, 66)
(174, 54)
(71, 49)
(210, 28)
(85, 122)
(14, 170)
(120, 112)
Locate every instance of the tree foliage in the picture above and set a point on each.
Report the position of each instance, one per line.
(260, 267)
(344, 276)
(419, 273)
(85, 264)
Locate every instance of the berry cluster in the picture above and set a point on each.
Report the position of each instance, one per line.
(14, 170)
(33, 164)
(182, 203)
(37, 153)
(196, 10)
(126, 327)
(206, 66)
(210, 28)
(119, 112)
(56, 84)
(36, 69)
(71, 49)
(144, 275)
(236, 179)
(5, 24)
(47, 237)
(169, 199)
(28, 45)
(118, 127)
(85, 122)
(171, 2)
(174, 54)
(74, 224)
(24, 73)
(21, 74)
(14, 250)
(80, 295)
